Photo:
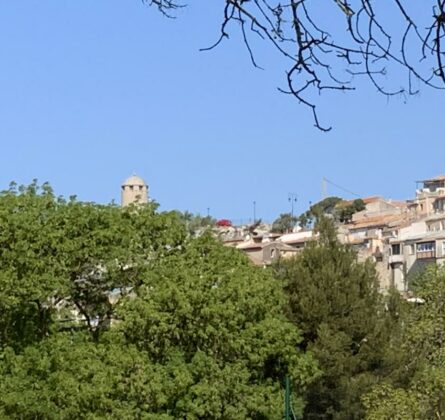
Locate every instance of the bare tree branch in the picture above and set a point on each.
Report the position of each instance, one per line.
(330, 43)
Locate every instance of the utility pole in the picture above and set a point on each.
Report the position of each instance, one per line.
(287, 404)
(208, 211)
(292, 198)
(254, 211)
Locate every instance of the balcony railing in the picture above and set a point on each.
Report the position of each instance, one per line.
(426, 254)
(393, 259)
(426, 192)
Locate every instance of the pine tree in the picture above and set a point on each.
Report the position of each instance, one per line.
(334, 300)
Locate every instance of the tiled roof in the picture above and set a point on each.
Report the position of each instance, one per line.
(436, 178)
(426, 236)
(250, 245)
(375, 198)
(365, 222)
(372, 199)
(366, 200)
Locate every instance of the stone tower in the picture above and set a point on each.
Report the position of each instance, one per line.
(134, 191)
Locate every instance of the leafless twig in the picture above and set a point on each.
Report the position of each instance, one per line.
(330, 43)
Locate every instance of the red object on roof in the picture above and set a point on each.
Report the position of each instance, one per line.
(223, 223)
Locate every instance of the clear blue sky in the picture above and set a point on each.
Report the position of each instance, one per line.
(94, 90)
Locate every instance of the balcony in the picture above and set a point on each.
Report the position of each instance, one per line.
(426, 250)
(396, 259)
(426, 255)
(428, 192)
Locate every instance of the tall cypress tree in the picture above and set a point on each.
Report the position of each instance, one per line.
(334, 300)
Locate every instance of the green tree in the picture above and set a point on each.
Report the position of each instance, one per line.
(346, 211)
(325, 207)
(56, 253)
(195, 223)
(106, 248)
(118, 313)
(415, 382)
(333, 298)
(223, 320)
(30, 274)
(284, 223)
(336, 208)
(305, 219)
(67, 376)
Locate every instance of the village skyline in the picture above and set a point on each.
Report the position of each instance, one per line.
(85, 109)
(291, 203)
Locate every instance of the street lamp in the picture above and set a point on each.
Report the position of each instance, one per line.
(292, 198)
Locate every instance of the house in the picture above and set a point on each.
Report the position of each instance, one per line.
(414, 247)
(379, 206)
(402, 237)
(297, 240)
(421, 241)
(430, 197)
(264, 253)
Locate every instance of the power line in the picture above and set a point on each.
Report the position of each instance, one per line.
(340, 188)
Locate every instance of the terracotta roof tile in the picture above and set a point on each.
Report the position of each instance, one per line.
(374, 221)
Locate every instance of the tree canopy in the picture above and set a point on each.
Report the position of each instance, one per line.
(415, 383)
(284, 223)
(110, 312)
(334, 299)
(120, 313)
(195, 223)
(341, 211)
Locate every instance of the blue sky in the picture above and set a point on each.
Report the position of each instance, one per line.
(92, 91)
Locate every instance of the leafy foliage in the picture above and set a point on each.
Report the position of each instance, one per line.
(117, 313)
(284, 223)
(416, 383)
(346, 211)
(334, 207)
(195, 223)
(334, 300)
(56, 253)
(223, 319)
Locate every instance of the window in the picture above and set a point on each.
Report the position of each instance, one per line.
(395, 249)
(432, 227)
(426, 250)
(439, 205)
(425, 247)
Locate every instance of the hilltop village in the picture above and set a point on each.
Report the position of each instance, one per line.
(130, 312)
(401, 237)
